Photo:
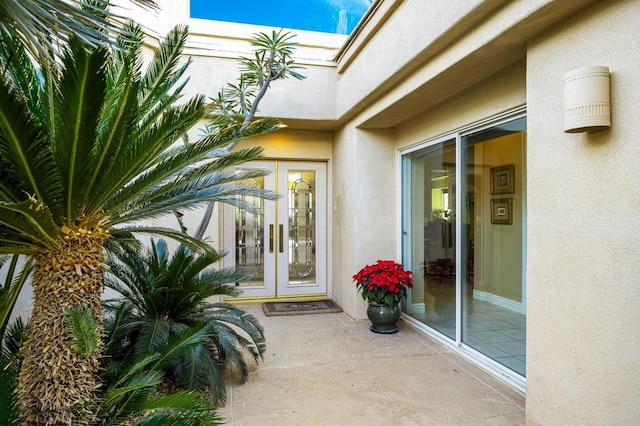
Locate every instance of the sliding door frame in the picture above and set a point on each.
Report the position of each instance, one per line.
(404, 243)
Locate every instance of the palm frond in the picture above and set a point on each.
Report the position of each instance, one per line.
(30, 222)
(117, 126)
(83, 330)
(229, 352)
(20, 71)
(172, 234)
(178, 344)
(163, 72)
(163, 167)
(23, 143)
(14, 280)
(121, 401)
(14, 338)
(39, 24)
(10, 362)
(153, 335)
(118, 325)
(122, 374)
(233, 319)
(197, 369)
(141, 150)
(77, 109)
(186, 408)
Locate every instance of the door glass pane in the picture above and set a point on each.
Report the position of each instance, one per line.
(493, 305)
(249, 241)
(430, 215)
(302, 226)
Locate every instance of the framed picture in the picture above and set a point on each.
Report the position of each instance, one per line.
(502, 211)
(502, 179)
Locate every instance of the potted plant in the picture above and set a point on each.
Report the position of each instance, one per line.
(383, 285)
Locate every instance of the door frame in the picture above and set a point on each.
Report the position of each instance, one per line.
(275, 281)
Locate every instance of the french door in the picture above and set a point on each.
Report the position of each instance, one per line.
(281, 246)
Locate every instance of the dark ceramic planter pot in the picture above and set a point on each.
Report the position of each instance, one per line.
(384, 319)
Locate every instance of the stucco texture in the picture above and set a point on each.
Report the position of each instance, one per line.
(583, 283)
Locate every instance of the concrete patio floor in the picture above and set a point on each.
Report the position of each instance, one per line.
(328, 369)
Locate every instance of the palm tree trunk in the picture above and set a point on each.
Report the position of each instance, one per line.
(56, 386)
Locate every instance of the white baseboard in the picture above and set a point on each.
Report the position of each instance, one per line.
(418, 308)
(503, 302)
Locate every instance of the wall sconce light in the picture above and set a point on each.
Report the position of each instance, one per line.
(586, 100)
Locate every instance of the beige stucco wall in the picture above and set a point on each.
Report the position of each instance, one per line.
(583, 215)
(366, 179)
(364, 209)
(215, 48)
(503, 93)
(294, 144)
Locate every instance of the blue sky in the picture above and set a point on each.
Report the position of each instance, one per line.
(329, 16)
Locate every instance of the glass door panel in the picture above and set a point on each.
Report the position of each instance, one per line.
(253, 241)
(493, 310)
(431, 224)
(249, 242)
(300, 214)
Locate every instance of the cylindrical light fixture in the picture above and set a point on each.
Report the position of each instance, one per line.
(586, 99)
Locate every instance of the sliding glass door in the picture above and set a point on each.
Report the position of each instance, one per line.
(464, 216)
(494, 314)
(431, 206)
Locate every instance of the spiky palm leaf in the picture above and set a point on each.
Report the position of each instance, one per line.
(164, 297)
(15, 275)
(132, 386)
(38, 24)
(9, 367)
(83, 330)
(87, 146)
(130, 398)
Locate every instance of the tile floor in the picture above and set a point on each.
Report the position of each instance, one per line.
(492, 330)
(328, 369)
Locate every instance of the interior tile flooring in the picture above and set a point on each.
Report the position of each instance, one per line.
(496, 332)
(328, 369)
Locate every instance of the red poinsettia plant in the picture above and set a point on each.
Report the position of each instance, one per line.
(383, 283)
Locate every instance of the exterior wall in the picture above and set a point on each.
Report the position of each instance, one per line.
(294, 144)
(413, 82)
(215, 48)
(413, 56)
(504, 92)
(584, 210)
(366, 185)
(365, 214)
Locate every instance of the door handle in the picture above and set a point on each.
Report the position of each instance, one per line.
(280, 242)
(270, 238)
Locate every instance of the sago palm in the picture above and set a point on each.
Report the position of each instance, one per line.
(165, 295)
(87, 154)
(131, 394)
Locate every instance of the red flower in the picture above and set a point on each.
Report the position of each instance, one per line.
(384, 282)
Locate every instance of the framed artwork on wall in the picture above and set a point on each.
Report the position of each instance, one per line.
(502, 179)
(502, 211)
